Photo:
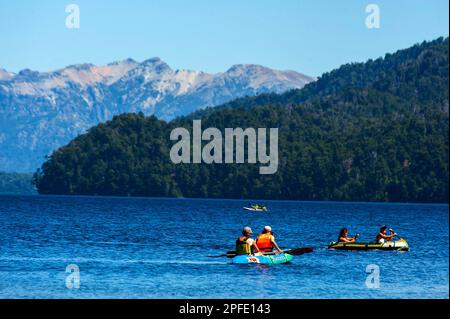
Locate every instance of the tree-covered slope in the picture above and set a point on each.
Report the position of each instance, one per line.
(375, 131)
(418, 74)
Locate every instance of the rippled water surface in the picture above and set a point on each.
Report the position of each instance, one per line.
(159, 248)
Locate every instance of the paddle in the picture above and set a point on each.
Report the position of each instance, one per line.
(299, 251)
(229, 254)
(398, 236)
(294, 252)
(218, 256)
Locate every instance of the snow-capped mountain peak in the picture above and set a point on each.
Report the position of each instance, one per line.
(5, 75)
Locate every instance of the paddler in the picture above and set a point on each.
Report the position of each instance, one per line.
(245, 243)
(383, 236)
(343, 236)
(266, 241)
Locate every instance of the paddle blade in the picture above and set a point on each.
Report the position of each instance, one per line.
(230, 254)
(299, 251)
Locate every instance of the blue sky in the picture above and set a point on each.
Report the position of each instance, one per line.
(309, 36)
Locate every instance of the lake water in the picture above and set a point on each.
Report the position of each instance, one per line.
(159, 248)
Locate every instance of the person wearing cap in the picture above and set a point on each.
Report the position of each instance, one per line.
(266, 241)
(245, 243)
(383, 237)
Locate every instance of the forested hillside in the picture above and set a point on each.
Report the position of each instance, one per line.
(374, 131)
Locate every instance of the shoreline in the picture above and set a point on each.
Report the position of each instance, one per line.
(246, 200)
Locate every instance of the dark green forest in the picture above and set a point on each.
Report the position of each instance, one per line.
(374, 131)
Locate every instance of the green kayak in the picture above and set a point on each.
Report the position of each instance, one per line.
(399, 245)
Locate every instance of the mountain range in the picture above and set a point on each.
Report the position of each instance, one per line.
(373, 131)
(41, 111)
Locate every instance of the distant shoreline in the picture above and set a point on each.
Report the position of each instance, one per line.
(245, 200)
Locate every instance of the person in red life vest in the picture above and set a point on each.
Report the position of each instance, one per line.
(266, 241)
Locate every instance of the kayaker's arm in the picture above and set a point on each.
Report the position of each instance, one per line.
(346, 240)
(392, 235)
(387, 237)
(276, 246)
(256, 246)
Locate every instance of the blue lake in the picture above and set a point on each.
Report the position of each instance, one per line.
(159, 248)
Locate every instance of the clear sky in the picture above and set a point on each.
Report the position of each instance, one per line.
(309, 36)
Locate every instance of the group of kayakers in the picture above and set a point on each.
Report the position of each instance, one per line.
(380, 238)
(265, 242)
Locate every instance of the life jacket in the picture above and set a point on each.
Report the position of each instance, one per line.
(264, 242)
(242, 247)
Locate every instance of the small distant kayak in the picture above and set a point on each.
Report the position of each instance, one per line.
(399, 245)
(265, 259)
(253, 209)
